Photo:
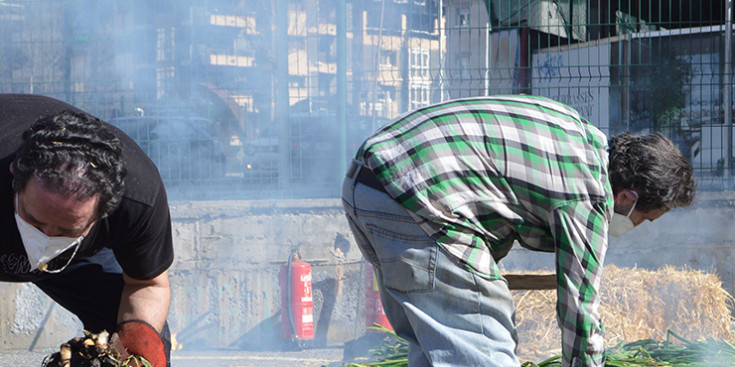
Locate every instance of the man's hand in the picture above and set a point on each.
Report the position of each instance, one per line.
(142, 314)
(137, 338)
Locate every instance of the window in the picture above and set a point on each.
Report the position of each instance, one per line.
(419, 77)
(231, 60)
(463, 15)
(165, 44)
(418, 96)
(418, 64)
(164, 80)
(387, 58)
(296, 81)
(377, 103)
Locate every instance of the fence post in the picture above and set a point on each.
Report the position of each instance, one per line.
(342, 87)
(442, 35)
(282, 96)
(727, 92)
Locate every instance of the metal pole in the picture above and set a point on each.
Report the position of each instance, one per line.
(727, 90)
(281, 94)
(488, 45)
(488, 52)
(442, 34)
(342, 86)
(626, 46)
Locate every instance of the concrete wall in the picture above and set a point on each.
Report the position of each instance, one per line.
(226, 291)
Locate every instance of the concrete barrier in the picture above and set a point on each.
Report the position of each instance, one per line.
(225, 291)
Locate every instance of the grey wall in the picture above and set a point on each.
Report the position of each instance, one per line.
(226, 291)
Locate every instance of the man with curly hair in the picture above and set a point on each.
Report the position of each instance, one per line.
(86, 219)
(437, 198)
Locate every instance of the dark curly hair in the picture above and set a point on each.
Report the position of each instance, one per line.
(73, 154)
(653, 165)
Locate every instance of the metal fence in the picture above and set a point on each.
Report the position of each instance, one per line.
(271, 98)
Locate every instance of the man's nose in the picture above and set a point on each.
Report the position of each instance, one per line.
(49, 230)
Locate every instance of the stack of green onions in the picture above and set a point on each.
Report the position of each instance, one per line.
(390, 355)
(675, 351)
(653, 353)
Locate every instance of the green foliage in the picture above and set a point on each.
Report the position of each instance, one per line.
(669, 78)
(135, 361)
(678, 352)
(653, 353)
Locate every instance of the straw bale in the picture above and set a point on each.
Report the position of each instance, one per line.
(635, 304)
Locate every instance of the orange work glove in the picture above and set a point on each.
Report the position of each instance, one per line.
(140, 339)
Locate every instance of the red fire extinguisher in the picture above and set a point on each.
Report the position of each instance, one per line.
(297, 305)
(374, 313)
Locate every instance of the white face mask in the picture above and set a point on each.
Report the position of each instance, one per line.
(41, 248)
(622, 224)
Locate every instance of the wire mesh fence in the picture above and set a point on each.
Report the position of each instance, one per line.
(261, 98)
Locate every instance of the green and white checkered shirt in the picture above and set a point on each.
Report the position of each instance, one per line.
(479, 173)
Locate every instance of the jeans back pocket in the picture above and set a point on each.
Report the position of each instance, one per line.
(408, 262)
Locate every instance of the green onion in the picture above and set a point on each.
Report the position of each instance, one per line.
(640, 353)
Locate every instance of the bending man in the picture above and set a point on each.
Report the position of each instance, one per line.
(438, 197)
(86, 219)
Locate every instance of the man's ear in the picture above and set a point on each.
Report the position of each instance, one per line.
(625, 197)
(12, 172)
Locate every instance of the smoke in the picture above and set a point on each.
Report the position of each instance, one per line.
(206, 91)
(212, 77)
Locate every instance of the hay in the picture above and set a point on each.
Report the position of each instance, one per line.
(635, 304)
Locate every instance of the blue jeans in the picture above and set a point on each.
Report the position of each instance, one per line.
(449, 316)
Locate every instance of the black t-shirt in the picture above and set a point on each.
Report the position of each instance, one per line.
(138, 231)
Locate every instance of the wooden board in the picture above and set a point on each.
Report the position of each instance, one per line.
(531, 281)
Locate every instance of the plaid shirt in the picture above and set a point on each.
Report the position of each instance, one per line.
(480, 173)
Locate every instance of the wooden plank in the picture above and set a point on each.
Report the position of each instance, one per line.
(531, 281)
